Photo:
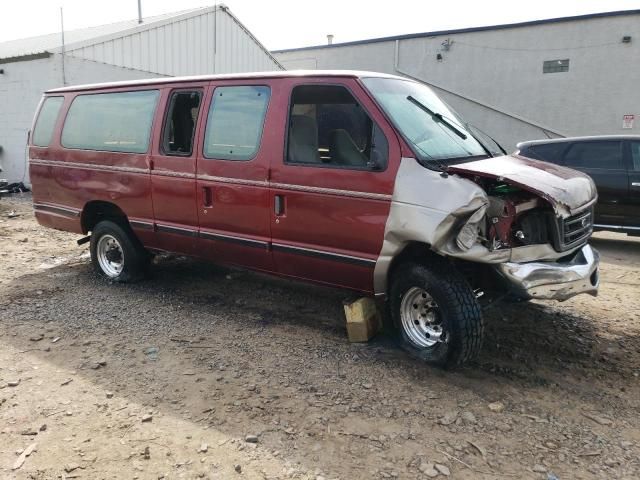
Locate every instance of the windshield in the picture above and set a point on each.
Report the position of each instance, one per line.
(408, 104)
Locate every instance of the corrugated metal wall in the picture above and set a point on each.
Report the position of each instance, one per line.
(211, 42)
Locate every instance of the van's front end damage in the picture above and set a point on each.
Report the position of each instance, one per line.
(558, 280)
(468, 227)
(524, 224)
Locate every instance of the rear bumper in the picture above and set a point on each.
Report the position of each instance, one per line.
(554, 280)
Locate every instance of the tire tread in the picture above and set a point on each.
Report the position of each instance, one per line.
(138, 259)
(462, 306)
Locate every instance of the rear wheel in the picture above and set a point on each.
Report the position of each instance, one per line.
(116, 254)
(435, 313)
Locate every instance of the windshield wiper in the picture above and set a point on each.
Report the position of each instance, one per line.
(437, 117)
(473, 129)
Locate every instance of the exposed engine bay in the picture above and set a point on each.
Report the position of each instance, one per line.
(514, 217)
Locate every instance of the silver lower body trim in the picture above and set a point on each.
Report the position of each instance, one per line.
(554, 280)
(601, 226)
(57, 209)
(322, 254)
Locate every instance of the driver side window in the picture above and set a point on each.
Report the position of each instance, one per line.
(329, 128)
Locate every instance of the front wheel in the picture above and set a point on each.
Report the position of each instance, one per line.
(436, 313)
(116, 254)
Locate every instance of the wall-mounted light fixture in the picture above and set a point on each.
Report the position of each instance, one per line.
(626, 39)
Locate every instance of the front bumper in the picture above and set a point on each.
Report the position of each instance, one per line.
(554, 280)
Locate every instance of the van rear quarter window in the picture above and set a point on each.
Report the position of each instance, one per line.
(236, 119)
(43, 131)
(113, 122)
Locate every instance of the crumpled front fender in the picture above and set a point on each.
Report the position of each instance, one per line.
(443, 212)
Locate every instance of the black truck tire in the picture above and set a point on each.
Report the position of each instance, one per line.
(116, 253)
(435, 313)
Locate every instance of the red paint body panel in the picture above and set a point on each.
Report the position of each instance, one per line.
(239, 195)
(173, 181)
(332, 227)
(333, 222)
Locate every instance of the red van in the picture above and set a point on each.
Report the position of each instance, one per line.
(357, 180)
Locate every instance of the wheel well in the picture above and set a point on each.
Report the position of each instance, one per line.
(412, 252)
(96, 211)
(478, 275)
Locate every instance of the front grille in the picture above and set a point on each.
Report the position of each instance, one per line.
(574, 230)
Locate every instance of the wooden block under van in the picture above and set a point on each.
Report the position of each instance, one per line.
(363, 319)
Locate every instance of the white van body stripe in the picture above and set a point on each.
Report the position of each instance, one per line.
(87, 166)
(331, 191)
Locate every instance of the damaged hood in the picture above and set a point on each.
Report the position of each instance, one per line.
(567, 190)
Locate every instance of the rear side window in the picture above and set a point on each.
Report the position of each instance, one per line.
(43, 131)
(550, 152)
(606, 155)
(113, 122)
(329, 128)
(235, 123)
(635, 156)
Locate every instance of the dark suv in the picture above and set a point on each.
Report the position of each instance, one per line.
(614, 164)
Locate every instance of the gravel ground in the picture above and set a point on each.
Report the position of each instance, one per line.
(205, 372)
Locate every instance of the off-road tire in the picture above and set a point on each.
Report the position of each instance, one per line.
(136, 258)
(460, 312)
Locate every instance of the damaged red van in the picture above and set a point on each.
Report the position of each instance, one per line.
(358, 180)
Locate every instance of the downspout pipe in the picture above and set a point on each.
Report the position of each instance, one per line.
(64, 75)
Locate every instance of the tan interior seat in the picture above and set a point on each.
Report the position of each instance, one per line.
(303, 140)
(344, 150)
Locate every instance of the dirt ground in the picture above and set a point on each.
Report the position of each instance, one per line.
(205, 372)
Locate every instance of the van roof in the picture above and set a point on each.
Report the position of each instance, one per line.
(231, 76)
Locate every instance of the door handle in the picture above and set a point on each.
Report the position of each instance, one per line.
(278, 205)
(207, 197)
(635, 184)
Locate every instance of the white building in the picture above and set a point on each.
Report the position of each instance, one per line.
(200, 41)
(548, 78)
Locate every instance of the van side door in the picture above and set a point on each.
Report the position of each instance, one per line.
(633, 203)
(173, 168)
(603, 161)
(331, 190)
(232, 174)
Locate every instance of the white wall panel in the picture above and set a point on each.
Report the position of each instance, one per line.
(21, 88)
(187, 46)
(497, 77)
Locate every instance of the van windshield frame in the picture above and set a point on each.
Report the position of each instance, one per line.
(431, 141)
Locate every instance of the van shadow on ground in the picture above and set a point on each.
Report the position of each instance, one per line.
(529, 343)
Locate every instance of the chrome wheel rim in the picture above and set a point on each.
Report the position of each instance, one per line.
(421, 318)
(110, 255)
